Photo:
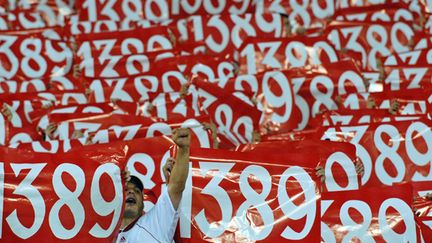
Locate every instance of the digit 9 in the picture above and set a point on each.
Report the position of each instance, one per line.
(307, 209)
(284, 100)
(414, 132)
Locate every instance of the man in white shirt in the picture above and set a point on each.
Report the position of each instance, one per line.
(159, 224)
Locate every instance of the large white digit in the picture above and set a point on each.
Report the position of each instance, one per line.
(33, 54)
(296, 54)
(378, 45)
(256, 201)
(397, 29)
(353, 33)
(241, 26)
(108, 69)
(5, 48)
(222, 28)
(33, 195)
(224, 127)
(64, 57)
(388, 152)
(356, 230)
(148, 162)
(283, 100)
(405, 211)
(215, 229)
(356, 133)
(322, 99)
(299, 10)
(293, 211)
(67, 198)
(414, 132)
(248, 128)
(249, 53)
(100, 205)
(347, 164)
(274, 26)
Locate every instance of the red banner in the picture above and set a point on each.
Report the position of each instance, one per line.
(391, 153)
(34, 57)
(380, 214)
(221, 201)
(71, 196)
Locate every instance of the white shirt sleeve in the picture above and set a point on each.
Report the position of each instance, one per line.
(162, 219)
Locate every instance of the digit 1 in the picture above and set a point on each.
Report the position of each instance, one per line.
(186, 207)
(199, 30)
(249, 53)
(2, 176)
(91, 9)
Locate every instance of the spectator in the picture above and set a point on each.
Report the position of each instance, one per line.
(159, 224)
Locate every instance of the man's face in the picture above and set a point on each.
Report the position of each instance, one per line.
(134, 201)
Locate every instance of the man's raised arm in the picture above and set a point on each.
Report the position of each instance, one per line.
(180, 171)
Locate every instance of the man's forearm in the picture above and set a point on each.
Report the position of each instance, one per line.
(179, 176)
(180, 171)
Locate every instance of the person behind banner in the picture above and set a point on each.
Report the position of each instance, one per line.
(159, 224)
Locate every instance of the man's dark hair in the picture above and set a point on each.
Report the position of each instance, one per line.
(137, 182)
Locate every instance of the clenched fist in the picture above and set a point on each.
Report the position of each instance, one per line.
(181, 137)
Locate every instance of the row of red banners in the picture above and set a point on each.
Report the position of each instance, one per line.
(88, 88)
(258, 194)
(79, 195)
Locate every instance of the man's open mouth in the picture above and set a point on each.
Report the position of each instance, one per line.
(131, 200)
(183, 135)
